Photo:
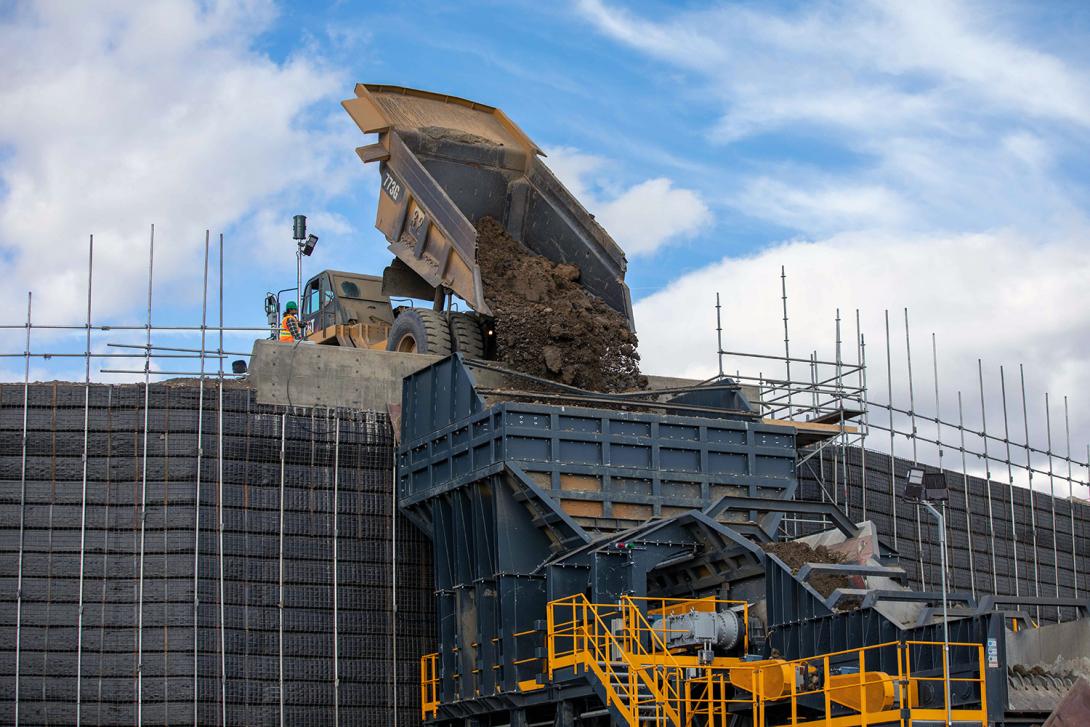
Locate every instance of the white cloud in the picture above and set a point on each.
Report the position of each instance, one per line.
(821, 206)
(847, 64)
(114, 116)
(926, 150)
(650, 214)
(997, 295)
(944, 121)
(642, 217)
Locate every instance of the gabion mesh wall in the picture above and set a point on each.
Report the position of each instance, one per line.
(345, 665)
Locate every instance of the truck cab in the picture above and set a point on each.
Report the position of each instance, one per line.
(342, 308)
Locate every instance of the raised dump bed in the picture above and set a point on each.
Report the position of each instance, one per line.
(446, 162)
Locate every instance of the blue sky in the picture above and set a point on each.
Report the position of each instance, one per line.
(929, 155)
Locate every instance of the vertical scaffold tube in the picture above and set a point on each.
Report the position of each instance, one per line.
(336, 635)
(892, 468)
(1071, 498)
(786, 337)
(862, 359)
(1032, 496)
(965, 494)
(1052, 500)
(219, 503)
(915, 451)
(987, 476)
(280, 598)
(1010, 480)
(144, 499)
(938, 433)
(22, 512)
(83, 491)
(197, 494)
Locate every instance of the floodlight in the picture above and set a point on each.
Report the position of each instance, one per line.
(913, 488)
(307, 246)
(935, 488)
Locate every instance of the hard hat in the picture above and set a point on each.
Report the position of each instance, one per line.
(291, 306)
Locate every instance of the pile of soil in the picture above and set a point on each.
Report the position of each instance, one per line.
(796, 554)
(547, 324)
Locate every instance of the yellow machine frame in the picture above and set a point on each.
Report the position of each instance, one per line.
(679, 691)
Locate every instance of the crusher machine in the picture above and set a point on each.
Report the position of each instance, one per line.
(600, 560)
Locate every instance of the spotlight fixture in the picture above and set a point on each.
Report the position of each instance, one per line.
(307, 246)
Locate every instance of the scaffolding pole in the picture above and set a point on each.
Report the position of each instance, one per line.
(83, 488)
(862, 358)
(965, 494)
(1010, 479)
(280, 589)
(987, 476)
(144, 498)
(915, 453)
(336, 664)
(1071, 497)
(938, 440)
(219, 504)
(1032, 495)
(786, 337)
(1052, 502)
(892, 467)
(197, 495)
(22, 512)
(719, 334)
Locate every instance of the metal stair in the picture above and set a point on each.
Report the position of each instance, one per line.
(648, 710)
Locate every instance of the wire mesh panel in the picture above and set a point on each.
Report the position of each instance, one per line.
(266, 617)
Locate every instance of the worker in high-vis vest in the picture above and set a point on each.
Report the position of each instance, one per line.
(290, 330)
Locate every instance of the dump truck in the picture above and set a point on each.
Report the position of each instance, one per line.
(444, 163)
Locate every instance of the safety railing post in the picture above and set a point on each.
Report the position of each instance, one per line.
(550, 635)
(825, 691)
(761, 697)
(423, 687)
(947, 696)
(983, 685)
(863, 708)
(794, 698)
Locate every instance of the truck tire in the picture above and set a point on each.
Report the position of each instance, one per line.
(419, 330)
(466, 335)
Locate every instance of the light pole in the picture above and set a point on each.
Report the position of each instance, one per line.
(916, 488)
(299, 233)
(304, 245)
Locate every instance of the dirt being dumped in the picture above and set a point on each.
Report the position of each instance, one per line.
(547, 324)
(796, 554)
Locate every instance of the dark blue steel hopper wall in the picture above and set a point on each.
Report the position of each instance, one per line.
(506, 488)
(50, 556)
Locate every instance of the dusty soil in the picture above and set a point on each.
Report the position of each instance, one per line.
(547, 324)
(796, 554)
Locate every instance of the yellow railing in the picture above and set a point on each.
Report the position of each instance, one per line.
(864, 696)
(654, 663)
(598, 638)
(429, 685)
(580, 637)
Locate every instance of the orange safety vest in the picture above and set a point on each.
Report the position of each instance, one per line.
(289, 332)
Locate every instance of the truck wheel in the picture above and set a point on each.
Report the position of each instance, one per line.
(418, 330)
(466, 336)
